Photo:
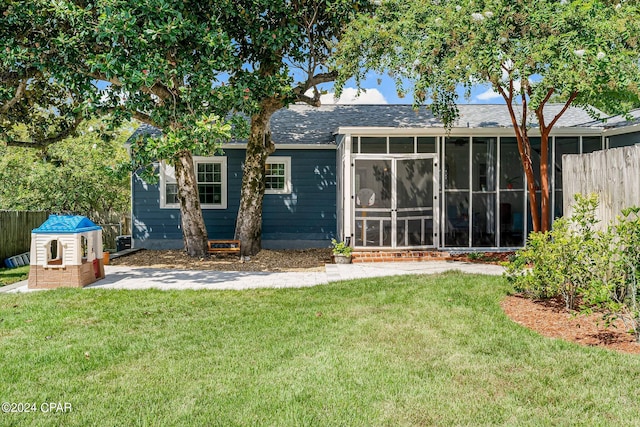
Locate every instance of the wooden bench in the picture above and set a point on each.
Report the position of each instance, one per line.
(216, 246)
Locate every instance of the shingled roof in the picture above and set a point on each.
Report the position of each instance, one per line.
(621, 121)
(304, 124)
(311, 125)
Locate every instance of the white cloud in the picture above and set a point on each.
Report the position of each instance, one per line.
(487, 95)
(490, 94)
(349, 96)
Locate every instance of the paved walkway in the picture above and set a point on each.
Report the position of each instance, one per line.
(119, 277)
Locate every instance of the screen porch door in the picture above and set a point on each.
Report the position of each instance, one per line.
(395, 202)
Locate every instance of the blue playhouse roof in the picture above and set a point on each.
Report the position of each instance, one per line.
(58, 224)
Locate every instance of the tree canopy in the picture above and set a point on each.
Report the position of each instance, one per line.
(46, 105)
(72, 176)
(285, 46)
(581, 53)
(156, 61)
(184, 67)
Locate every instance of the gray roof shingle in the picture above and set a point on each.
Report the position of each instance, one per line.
(303, 124)
(621, 121)
(311, 125)
(145, 130)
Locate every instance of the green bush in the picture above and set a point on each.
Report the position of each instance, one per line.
(559, 262)
(340, 248)
(531, 271)
(614, 290)
(573, 260)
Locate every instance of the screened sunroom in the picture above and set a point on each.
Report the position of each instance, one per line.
(419, 189)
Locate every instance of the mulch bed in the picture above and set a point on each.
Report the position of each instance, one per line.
(265, 260)
(551, 319)
(482, 257)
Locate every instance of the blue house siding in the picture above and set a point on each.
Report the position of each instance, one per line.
(307, 216)
(302, 219)
(624, 140)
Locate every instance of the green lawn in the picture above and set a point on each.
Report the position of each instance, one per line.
(421, 350)
(13, 275)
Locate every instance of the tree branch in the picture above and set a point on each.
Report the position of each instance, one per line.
(51, 140)
(524, 107)
(303, 87)
(157, 89)
(22, 80)
(315, 101)
(100, 76)
(144, 118)
(548, 96)
(540, 109)
(567, 104)
(22, 86)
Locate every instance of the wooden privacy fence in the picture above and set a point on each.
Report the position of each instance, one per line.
(613, 174)
(113, 224)
(16, 226)
(15, 231)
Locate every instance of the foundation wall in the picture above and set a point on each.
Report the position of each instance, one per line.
(71, 276)
(395, 256)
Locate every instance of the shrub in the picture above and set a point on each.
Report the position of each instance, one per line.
(614, 291)
(559, 262)
(600, 268)
(341, 248)
(531, 271)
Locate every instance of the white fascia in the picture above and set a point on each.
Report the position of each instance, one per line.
(439, 131)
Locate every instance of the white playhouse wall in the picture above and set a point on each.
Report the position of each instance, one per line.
(69, 248)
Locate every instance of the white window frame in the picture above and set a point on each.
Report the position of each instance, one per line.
(286, 160)
(167, 176)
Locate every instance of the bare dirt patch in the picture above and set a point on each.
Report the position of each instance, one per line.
(265, 260)
(551, 319)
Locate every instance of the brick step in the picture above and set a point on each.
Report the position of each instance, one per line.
(397, 256)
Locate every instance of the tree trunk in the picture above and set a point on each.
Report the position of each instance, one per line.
(259, 147)
(544, 182)
(525, 156)
(524, 148)
(194, 232)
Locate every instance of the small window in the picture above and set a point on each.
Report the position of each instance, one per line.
(171, 193)
(401, 144)
(373, 145)
(84, 248)
(211, 177)
(355, 145)
(426, 144)
(277, 178)
(54, 253)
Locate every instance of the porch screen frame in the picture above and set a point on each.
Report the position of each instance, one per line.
(393, 158)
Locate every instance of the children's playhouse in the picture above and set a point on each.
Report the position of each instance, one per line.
(66, 251)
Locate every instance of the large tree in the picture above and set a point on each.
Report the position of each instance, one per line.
(180, 66)
(155, 61)
(36, 109)
(581, 53)
(285, 46)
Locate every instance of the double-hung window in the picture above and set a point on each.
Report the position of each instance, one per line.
(211, 179)
(277, 178)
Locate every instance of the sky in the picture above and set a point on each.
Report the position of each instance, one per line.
(380, 89)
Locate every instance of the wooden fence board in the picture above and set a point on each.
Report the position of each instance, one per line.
(15, 231)
(16, 226)
(613, 174)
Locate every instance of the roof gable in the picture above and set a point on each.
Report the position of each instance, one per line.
(62, 224)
